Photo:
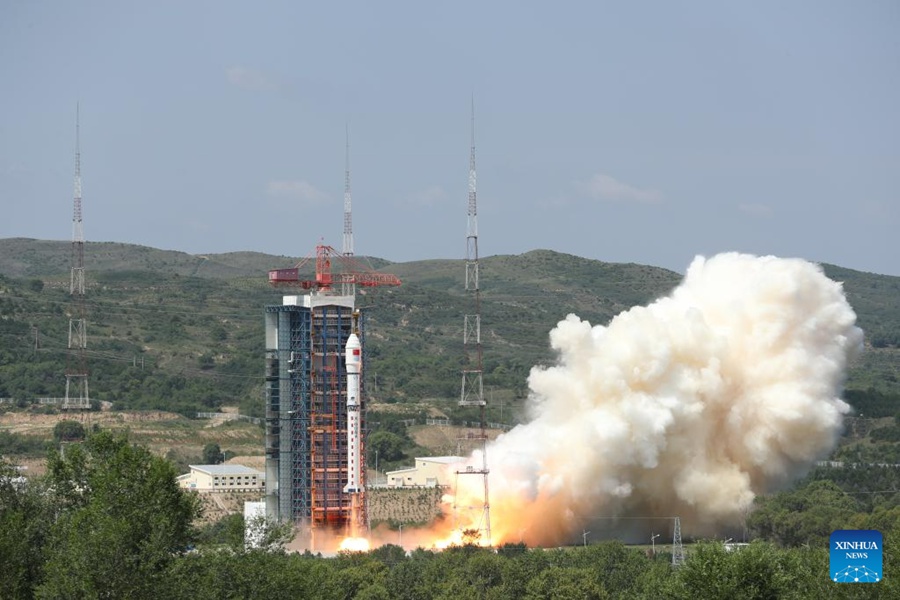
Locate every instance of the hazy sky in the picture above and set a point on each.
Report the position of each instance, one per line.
(627, 132)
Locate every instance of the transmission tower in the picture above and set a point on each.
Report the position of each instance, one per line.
(76, 369)
(677, 547)
(473, 374)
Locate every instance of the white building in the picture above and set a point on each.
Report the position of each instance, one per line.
(222, 478)
(429, 471)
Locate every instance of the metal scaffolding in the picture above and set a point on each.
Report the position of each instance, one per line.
(306, 414)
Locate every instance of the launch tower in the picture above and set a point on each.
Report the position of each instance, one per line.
(315, 400)
(314, 445)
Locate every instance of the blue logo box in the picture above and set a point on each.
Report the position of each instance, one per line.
(856, 556)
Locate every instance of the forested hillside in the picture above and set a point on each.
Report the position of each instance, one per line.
(174, 331)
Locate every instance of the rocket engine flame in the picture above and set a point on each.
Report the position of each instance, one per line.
(354, 544)
(691, 406)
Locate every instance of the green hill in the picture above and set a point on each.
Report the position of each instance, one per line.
(174, 331)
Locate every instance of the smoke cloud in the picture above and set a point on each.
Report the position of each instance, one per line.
(691, 406)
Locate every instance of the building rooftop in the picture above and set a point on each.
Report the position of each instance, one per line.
(226, 470)
(404, 470)
(447, 460)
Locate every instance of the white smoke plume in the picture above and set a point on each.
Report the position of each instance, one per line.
(727, 388)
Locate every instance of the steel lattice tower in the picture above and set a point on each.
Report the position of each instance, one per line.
(348, 289)
(677, 547)
(76, 370)
(348, 218)
(473, 373)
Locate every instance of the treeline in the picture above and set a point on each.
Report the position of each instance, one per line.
(109, 521)
(873, 403)
(130, 387)
(599, 571)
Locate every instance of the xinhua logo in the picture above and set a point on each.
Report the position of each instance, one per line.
(856, 556)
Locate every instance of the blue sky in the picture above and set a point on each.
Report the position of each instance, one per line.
(643, 132)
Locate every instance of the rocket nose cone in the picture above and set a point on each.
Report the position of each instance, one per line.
(353, 341)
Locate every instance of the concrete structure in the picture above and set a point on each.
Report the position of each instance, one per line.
(429, 471)
(222, 478)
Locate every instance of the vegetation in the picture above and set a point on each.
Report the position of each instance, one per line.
(183, 333)
(227, 531)
(212, 454)
(870, 295)
(225, 569)
(68, 431)
(873, 402)
(16, 444)
(109, 520)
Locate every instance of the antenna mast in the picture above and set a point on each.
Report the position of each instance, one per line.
(472, 376)
(348, 217)
(348, 288)
(76, 371)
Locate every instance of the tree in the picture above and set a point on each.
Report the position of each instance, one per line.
(389, 554)
(760, 570)
(122, 521)
(212, 454)
(806, 515)
(263, 533)
(25, 518)
(560, 583)
(617, 566)
(227, 531)
(68, 431)
(206, 361)
(388, 445)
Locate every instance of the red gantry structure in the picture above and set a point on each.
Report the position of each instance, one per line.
(351, 272)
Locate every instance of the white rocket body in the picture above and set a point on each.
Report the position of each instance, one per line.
(353, 356)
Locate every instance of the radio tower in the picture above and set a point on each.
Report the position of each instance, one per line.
(472, 375)
(348, 288)
(76, 370)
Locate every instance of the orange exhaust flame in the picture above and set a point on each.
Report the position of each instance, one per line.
(354, 544)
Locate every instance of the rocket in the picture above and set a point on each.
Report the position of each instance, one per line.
(353, 358)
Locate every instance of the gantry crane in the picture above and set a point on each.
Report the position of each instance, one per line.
(350, 273)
